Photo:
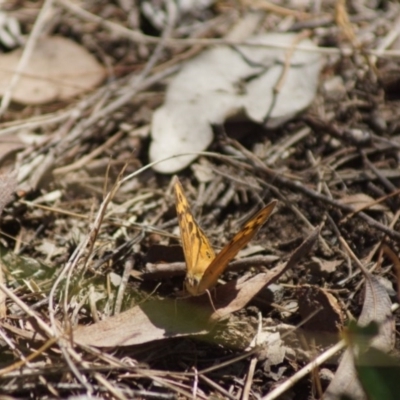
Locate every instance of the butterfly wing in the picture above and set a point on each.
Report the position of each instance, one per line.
(220, 262)
(196, 247)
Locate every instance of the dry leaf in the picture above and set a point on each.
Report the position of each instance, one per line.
(153, 320)
(8, 185)
(161, 319)
(248, 289)
(272, 350)
(58, 69)
(376, 307)
(226, 81)
(361, 201)
(327, 316)
(9, 146)
(319, 266)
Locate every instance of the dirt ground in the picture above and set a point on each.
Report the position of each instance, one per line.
(92, 271)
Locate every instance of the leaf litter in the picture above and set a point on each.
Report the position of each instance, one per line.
(50, 74)
(84, 210)
(224, 82)
(158, 319)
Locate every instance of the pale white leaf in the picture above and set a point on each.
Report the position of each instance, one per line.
(225, 82)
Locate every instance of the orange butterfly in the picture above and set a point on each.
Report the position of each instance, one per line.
(203, 267)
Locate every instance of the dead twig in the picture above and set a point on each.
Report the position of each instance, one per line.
(278, 178)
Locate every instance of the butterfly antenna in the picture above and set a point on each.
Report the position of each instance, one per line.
(211, 301)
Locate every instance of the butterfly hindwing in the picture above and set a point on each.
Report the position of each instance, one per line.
(230, 250)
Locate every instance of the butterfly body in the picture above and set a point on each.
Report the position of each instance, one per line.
(203, 267)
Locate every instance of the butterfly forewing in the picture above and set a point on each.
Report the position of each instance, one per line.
(220, 262)
(196, 247)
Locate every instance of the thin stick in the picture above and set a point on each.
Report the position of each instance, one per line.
(274, 394)
(129, 264)
(298, 186)
(49, 332)
(136, 37)
(21, 363)
(81, 162)
(249, 378)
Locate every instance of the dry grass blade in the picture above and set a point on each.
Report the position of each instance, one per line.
(26, 360)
